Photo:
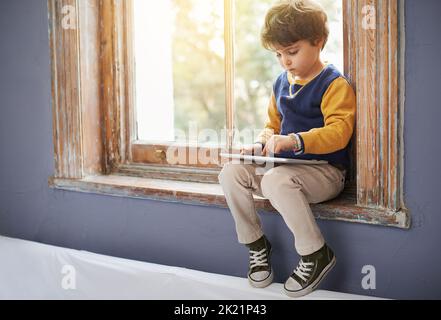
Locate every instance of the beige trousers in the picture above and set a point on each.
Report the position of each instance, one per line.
(290, 189)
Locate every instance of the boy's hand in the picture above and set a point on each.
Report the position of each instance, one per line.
(253, 149)
(277, 144)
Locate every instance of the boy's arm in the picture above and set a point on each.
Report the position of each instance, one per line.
(273, 123)
(338, 108)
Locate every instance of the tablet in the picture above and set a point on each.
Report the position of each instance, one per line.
(262, 159)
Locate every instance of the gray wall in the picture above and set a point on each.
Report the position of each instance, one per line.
(407, 262)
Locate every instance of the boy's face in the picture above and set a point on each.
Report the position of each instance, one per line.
(300, 58)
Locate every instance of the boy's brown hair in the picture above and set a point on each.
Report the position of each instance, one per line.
(289, 21)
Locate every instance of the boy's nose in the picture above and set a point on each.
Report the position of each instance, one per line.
(287, 62)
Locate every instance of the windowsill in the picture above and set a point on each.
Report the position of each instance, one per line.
(342, 208)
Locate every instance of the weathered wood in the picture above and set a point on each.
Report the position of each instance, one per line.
(177, 173)
(109, 88)
(349, 51)
(130, 123)
(117, 72)
(92, 140)
(372, 66)
(66, 106)
(212, 195)
(393, 198)
(74, 39)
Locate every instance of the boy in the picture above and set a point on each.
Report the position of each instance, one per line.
(311, 116)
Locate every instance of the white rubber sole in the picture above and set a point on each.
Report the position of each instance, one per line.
(263, 283)
(314, 285)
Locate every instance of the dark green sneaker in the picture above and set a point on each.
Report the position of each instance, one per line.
(311, 270)
(260, 273)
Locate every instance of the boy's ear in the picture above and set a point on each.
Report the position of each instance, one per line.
(319, 43)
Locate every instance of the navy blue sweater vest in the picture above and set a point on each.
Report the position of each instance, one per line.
(303, 112)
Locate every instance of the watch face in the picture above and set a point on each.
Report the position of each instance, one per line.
(296, 142)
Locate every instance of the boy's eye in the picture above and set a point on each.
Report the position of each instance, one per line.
(291, 53)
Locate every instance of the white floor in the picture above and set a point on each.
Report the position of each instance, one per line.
(30, 270)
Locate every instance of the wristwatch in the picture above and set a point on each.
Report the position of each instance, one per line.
(297, 142)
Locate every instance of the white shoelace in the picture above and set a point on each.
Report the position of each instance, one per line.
(303, 270)
(258, 258)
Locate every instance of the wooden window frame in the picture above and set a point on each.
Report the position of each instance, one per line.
(92, 100)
